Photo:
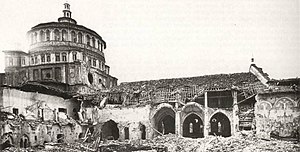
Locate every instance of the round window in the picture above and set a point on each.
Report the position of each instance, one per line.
(90, 78)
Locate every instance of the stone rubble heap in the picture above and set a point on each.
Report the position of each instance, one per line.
(172, 143)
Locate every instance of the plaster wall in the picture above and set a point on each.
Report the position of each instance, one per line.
(13, 98)
(131, 117)
(277, 113)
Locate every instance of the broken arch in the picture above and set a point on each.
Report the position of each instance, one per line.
(193, 126)
(220, 125)
(164, 121)
(110, 130)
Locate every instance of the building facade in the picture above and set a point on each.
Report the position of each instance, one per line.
(63, 55)
(39, 89)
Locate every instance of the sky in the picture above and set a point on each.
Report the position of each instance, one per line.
(155, 39)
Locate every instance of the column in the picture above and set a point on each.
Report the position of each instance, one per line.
(177, 123)
(39, 37)
(235, 118)
(51, 34)
(206, 121)
(177, 115)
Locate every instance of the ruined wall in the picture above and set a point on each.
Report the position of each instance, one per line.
(277, 113)
(130, 117)
(36, 103)
(65, 133)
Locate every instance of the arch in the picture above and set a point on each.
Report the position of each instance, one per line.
(160, 106)
(24, 141)
(73, 37)
(126, 132)
(197, 106)
(220, 125)
(284, 103)
(64, 35)
(164, 120)
(42, 35)
(79, 37)
(56, 35)
(143, 131)
(264, 105)
(110, 130)
(74, 56)
(93, 42)
(98, 45)
(90, 78)
(47, 35)
(193, 126)
(88, 40)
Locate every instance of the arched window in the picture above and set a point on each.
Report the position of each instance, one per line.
(42, 36)
(32, 60)
(79, 37)
(94, 62)
(93, 42)
(88, 39)
(57, 57)
(43, 58)
(48, 57)
(64, 35)
(191, 128)
(56, 35)
(47, 35)
(35, 60)
(74, 56)
(64, 56)
(73, 37)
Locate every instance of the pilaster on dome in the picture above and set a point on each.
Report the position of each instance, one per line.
(67, 15)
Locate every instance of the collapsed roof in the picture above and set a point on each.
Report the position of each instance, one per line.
(206, 82)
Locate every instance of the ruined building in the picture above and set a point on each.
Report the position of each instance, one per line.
(61, 91)
(65, 59)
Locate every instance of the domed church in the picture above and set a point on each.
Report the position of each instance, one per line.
(64, 56)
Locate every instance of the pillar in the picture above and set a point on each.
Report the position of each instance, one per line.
(235, 118)
(177, 123)
(51, 34)
(206, 117)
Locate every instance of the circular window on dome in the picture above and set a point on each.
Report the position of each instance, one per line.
(90, 78)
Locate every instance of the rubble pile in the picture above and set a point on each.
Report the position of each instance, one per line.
(173, 143)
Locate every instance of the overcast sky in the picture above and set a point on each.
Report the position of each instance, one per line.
(154, 39)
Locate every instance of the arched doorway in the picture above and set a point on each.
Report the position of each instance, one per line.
(24, 141)
(220, 125)
(164, 121)
(166, 125)
(193, 126)
(143, 131)
(110, 130)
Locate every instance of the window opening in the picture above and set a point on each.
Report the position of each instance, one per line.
(74, 56)
(90, 78)
(57, 57)
(15, 111)
(126, 130)
(64, 57)
(48, 58)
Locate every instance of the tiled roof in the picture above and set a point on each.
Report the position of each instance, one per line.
(206, 82)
